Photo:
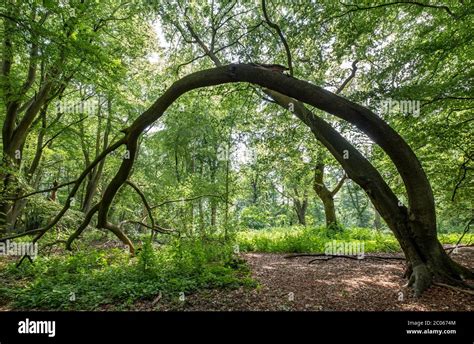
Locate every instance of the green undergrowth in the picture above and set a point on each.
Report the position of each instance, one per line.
(95, 277)
(90, 279)
(314, 239)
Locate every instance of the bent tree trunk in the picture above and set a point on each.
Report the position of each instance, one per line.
(414, 227)
(96, 173)
(385, 202)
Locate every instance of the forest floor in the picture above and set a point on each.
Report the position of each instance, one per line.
(334, 285)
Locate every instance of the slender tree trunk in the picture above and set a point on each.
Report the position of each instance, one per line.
(201, 219)
(227, 181)
(356, 203)
(301, 215)
(377, 220)
(202, 223)
(329, 211)
(96, 173)
(213, 213)
(300, 207)
(191, 203)
(213, 165)
(326, 196)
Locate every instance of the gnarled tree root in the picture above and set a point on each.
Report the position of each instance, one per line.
(421, 277)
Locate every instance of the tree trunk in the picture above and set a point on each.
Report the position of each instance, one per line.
(226, 210)
(201, 219)
(329, 211)
(96, 173)
(300, 213)
(377, 220)
(300, 207)
(357, 204)
(8, 191)
(326, 196)
(213, 213)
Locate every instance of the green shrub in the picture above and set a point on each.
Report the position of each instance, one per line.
(298, 239)
(99, 277)
(284, 239)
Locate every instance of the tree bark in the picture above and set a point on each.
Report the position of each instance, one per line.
(377, 220)
(300, 206)
(96, 173)
(326, 196)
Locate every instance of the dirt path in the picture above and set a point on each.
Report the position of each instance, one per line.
(334, 285)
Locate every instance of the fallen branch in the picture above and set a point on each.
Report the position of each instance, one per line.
(458, 246)
(325, 257)
(157, 299)
(22, 234)
(470, 292)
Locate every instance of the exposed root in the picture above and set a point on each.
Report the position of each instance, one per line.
(420, 279)
(408, 271)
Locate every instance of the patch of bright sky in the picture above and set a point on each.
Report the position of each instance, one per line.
(163, 43)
